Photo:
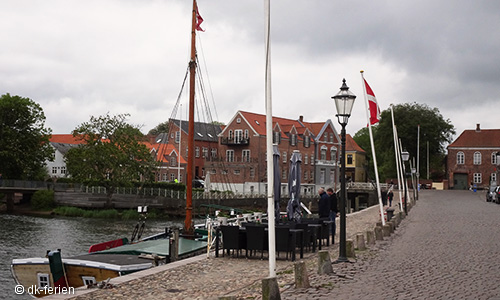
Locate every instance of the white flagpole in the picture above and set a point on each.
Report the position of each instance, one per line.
(381, 205)
(397, 157)
(269, 146)
(403, 172)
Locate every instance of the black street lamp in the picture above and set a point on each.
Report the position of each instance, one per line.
(344, 101)
(405, 156)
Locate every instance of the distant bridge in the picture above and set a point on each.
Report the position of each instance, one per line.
(24, 187)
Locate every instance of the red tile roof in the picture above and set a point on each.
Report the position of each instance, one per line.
(478, 138)
(258, 122)
(65, 139)
(351, 145)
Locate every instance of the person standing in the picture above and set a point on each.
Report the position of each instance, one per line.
(334, 210)
(390, 196)
(324, 204)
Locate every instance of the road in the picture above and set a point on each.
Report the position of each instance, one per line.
(448, 247)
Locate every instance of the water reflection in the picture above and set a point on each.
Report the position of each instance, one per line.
(26, 236)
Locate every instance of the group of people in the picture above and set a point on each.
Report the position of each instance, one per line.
(328, 207)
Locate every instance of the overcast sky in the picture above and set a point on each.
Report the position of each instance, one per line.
(85, 58)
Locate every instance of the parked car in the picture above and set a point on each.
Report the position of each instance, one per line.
(198, 183)
(497, 195)
(490, 193)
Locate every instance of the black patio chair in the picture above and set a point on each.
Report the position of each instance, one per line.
(232, 240)
(256, 239)
(283, 240)
(307, 235)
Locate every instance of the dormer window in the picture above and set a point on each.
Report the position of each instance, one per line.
(293, 139)
(307, 142)
(276, 137)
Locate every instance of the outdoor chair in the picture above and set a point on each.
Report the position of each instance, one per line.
(307, 236)
(231, 239)
(256, 239)
(283, 240)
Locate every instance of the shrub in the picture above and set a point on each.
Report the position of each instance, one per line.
(43, 199)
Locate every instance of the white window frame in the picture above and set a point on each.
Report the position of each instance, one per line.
(306, 159)
(214, 152)
(322, 175)
(236, 172)
(43, 280)
(494, 158)
(172, 177)
(494, 177)
(88, 280)
(173, 161)
(284, 157)
(204, 152)
(246, 155)
(177, 136)
(230, 155)
(246, 135)
(197, 152)
(460, 158)
(477, 158)
(238, 136)
(478, 178)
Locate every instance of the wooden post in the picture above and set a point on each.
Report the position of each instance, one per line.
(174, 245)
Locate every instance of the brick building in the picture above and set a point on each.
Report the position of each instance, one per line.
(472, 158)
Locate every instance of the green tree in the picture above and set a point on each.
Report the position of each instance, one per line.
(162, 127)
(112, 153)
(24, 139)
(433, 129)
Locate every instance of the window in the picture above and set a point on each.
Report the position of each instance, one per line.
(307, 142)
(276, 137)
(214, 152)
(180, 177)
(312, 175)
(88, 280)
(325, 137)
(172, 177)
(173, 161)
(322, 174)
(54, 170)
(331, 137)
(177, 136)
(323, 154)
(236, 172)
(230, 155)
(349, 159)
(224, 172)
(293, 139)
(238, 120)
(284, 157)
(43, 280)
(63, 170)
(305, 175)
(312, 159)
(333, 154)
(306, 159)
(238, 136)
(477, 158)
(164, 177)
(246, 155)
(252, 172)
(332, 176)
(460, 158)
(494, 158)
(246, 134)
(283, 174)
(197, 151)
(494, 177)
(230, 134)
(477, 178)
(213, 171)
(204, 152)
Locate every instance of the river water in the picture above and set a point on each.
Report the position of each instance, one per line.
(28, 236)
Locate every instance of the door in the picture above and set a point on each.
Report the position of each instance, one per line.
(460, 182)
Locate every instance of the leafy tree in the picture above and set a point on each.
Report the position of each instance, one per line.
(112, 153)
(162, 127)
(24, 140)
(433, 129)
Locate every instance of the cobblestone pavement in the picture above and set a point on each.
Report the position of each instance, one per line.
(447, 248)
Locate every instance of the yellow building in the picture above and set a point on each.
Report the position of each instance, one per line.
(355, 161)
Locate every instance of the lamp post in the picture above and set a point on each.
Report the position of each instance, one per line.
(344, 101)
(405, 156)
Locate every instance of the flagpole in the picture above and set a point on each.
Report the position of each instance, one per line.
(397, 156)
(381, 205)
(269, 146)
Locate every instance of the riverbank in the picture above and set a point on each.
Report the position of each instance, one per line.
(205, 277)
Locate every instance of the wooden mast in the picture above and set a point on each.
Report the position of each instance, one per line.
(188, 226)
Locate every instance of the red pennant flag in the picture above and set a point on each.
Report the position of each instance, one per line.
(373, 105)
(199, 19)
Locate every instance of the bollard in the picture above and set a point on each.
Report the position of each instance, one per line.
(390, 213)
(324, 262)
(270, 289)
(386, 230)
(379, 235)
(391, 226)
(370, 237)
(301, 277)
(401, 215)
(350, 249)
(227, 298)
(174, 245)
(360, 242)
(379, 224)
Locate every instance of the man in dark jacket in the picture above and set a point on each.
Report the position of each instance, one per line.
(334, 210)
(324, 204)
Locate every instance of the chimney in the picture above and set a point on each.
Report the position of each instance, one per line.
(301, 119)
(478, 127)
